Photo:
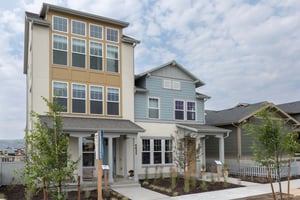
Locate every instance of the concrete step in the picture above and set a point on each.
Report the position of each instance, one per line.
(125, 184)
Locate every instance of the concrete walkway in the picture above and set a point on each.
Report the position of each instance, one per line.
(250, 189)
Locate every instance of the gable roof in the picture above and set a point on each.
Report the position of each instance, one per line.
(173, 63)
(290, 108)
(242, 112)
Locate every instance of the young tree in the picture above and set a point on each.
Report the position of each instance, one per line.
(269, 142)
(47, 154)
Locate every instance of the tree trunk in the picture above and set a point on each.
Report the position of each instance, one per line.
(270, 180)
(278, 174)
(289, 176)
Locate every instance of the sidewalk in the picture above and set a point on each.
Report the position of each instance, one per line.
(250, 189)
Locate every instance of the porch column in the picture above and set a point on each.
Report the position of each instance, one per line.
(198, 155)
(125, 169)
(79, 168)
(203, 157)
(110, 160)
(221, 148)
(135, 159)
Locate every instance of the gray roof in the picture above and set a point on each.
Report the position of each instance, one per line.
(198, 82)
(202, 96)
(130, 40)
(290, 108)
(201, 128)
(96, 124)
(242, 112)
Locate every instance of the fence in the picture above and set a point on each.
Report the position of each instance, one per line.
(256, 170)
(10, 171)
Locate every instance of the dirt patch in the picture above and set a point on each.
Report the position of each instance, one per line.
(14, 192)
(196, 186)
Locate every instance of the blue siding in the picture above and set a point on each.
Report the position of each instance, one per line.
(167, 97)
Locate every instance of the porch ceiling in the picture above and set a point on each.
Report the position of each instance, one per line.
(200, 128)
(95, 124)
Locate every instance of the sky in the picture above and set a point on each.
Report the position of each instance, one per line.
(245, 51)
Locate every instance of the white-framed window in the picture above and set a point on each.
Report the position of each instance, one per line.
(96, 31)
(60, 24)
(59, 49)
(60, 94)
(96, 56)
(78, 52)
(176, 85)
(88, 152)
(96, 99)
(191, 110)
(112, 58)
(78, 27)
(179, 109)
(112, 34)
(153, 107)
(113, 101)
(157, 151)
(78, 98)
(167, 84)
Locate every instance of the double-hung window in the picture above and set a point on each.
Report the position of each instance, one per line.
(78, 98)
(191, 110)
(60, 94)
(78, 27)
(157, 151)
(96, 55)
(153, 107)
(179, 110)
(112, 58)
(60, 50)
(112, 35)
(113, 101)
(88, 152)
(78, 52)
(96, 99)
(95, 31)
(60, 24)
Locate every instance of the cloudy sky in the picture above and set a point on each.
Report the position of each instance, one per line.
(244, 50)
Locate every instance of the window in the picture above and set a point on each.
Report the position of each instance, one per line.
(168, 152)
(78, 53)
(60, 24)
(96, 100)
(88, 152)
(153, 107)
(191, 110)
(146, 151)
(157, 151)
(95, 31)
(78, 27)
(60, 50)
(78, 98)
(179, 110)
(112, 35)
(112, 58)
(167, 84)
(96, 55)
(60, 94)
(112, 101)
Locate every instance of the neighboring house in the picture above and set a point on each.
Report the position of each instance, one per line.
(87, 64)
(293, 109)
(237, 145)
(167, 106)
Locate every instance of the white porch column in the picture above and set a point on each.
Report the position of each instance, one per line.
(79, 168)
(199, 156)
(221, 149)
(135, 159)
(125, 169)
(110, 160)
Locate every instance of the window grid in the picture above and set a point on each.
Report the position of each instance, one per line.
(179, 110)
(60, 24)
(112, 35)
(96, 31)
(96, 55)
(60, 49)
(153, 107)
(78, 52)
(96, 99)
(78, 98)
(60, 94)
(146, 151)
(191, 110)
(78, 27)
(113, 98)
(112, 58)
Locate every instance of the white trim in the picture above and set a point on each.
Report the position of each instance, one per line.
(113, 101)
(118, 59)
(90, 98)
(107, 34)
(148, 107)
(74, 20)
(85, 50)
(85, 98)
(54, 81)
(53, 16)
(67, 51)
(90, 31)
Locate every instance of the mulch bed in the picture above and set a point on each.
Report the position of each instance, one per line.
(14, 192)
(163, 185)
